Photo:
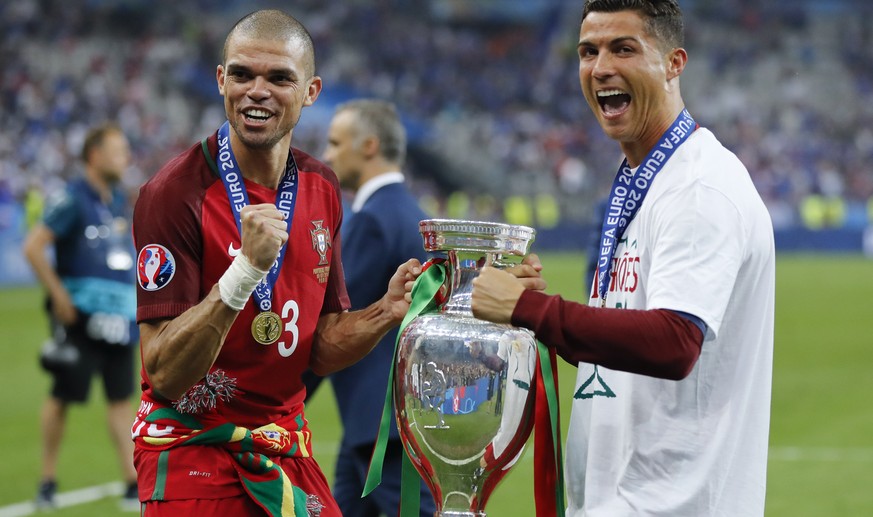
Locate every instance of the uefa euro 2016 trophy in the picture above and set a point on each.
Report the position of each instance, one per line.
(464, 387)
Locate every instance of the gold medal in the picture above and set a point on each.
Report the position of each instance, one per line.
(267, 327)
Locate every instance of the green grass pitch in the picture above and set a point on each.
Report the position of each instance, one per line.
(821, 461)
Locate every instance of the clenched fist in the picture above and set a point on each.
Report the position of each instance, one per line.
(264, 232)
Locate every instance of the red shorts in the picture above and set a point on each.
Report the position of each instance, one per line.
(304, 473)
(241, 505)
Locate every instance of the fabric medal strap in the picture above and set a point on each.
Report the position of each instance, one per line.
(628, 191)
(266, 327)
(548, 468)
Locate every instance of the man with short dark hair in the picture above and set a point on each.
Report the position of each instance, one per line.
(671, 409)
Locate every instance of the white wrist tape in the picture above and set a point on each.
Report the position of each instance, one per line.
(239, 281)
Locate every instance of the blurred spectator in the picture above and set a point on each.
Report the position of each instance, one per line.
(91, 302)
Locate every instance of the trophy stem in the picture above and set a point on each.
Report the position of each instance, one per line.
(462, 271)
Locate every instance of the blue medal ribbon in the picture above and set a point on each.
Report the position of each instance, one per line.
(628, 191)
(286, 200)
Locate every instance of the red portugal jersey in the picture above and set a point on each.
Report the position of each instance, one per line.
(187, 237)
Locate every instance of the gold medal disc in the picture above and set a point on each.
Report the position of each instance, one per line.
(267, 327)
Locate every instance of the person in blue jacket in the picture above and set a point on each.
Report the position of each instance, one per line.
(366, 148)
(91, 301)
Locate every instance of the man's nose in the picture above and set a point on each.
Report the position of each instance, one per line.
(259, 88)
(604, 65)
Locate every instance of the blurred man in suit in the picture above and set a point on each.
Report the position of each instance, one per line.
(366, 148)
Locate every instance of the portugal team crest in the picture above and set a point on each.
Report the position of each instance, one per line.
(273, 437)
(320, 241)
(155, 267)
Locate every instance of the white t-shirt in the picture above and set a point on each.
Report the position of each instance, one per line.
(701, 243)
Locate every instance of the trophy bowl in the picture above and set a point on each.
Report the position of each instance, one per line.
(464, 387)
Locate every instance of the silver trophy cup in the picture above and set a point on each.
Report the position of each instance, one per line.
(464, 387)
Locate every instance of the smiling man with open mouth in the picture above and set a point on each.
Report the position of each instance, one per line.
(630, 78)
(674, 351)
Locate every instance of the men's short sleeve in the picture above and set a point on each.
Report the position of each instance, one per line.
(60, 214)
(167, 228)
(697, 254)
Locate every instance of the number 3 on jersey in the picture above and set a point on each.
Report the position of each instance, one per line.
(291, 308)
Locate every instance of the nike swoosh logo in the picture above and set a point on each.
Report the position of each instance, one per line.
(233, 252)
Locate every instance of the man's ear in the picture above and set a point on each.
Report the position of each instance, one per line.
(677, 59)
(312, 91)
(219, 78)
(370, 146)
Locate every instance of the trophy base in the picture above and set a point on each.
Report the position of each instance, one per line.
(459, 514)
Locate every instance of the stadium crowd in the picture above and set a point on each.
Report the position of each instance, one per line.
(491, 96)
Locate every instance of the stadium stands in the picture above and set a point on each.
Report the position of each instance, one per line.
(489, 91)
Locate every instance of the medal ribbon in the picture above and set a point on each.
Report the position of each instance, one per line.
(548, 469)
(628, 191)
(234, 186)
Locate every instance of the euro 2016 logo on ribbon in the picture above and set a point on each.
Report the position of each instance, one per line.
(320, 241)
(155, 267)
